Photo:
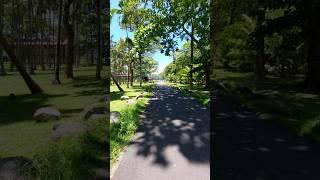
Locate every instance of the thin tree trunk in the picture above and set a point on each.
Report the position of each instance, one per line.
(131, 73)
(140, 68)
(191, 56)
(2, 68)
(58, 58)
(98, 68)
(233, 11)
(312, 80)
(32, 85)
(70, 37)
(116, 82)
(260, 59)
(128, 74)
(212, 45)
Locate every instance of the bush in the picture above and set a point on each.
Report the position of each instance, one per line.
(66, 159)
(122, 132)
(73, 158)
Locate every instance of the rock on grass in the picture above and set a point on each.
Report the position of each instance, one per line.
(115, 117)
(68, 129)
(98, 109)
(14, 168)
(124, 98)
(46, 114)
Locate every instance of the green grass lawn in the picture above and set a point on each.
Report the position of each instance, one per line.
(198, 93)
(19, 133)
(116, 104)
(279, 97)
(121, 133)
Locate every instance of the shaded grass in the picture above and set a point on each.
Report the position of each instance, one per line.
(280, 97)
(20, 135)
(73, 158)
(201, 95)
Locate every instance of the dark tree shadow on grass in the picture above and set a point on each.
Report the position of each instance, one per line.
(66, 113)
(86, 82)
(22, 107)
(116, 95)
(87, 86)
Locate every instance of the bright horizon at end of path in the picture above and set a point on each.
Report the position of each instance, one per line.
(117, 33)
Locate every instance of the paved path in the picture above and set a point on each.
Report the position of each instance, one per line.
(248, 148)
(172, 142)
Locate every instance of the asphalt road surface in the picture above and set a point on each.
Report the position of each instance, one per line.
(172, 143)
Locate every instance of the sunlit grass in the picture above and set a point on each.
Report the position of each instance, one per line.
(122, 132)
(201, 95)
(116, 104)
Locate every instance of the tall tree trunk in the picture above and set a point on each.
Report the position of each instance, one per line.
(2, 68)
(30, 35)
(212, 39)
(207, 72)
(233, 11)
(58, 57)
(91, 56)
(131, 73)
(191, 55)
(140, 68)
(98, 68)
(107, 46)
(174, 62)
(312, 80)
(116, 82)
(259, 69)
(212, 59)
(77, 51)
(70, 37)
(128, 78)
(32, 85)
(42, 46)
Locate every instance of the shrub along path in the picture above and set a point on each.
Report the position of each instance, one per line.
(172, 141)
(246, 147)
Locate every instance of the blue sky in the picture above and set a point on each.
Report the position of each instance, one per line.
(117, 33)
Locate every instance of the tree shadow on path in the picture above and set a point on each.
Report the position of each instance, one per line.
(247, 148)
(174, 120)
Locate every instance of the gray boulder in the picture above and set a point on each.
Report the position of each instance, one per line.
(123, 98)
(139, 96)
(14, 168)
(115, 117)
(68, 129)
(95, 109)
(46, 114)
